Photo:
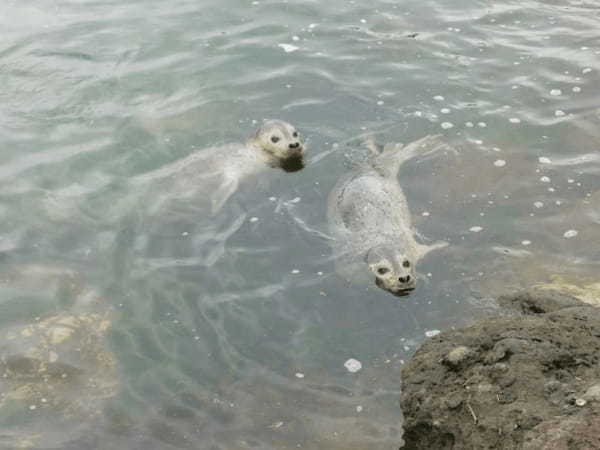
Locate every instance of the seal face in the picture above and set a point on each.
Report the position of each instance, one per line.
(393, 269)
(282, 143)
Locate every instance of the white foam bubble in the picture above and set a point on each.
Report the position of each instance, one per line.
(476, 229)
(299, 375)
(538, 204)
(544, 160)
(559, 113)
(481, 124)
(586, 70)
(447, 125)
(469, 125)
(445, 111)
(253, 219)
(438, 98)
(353, 365)
(545, 179)
(514, 120)
(432, 333)
(555, 92)
(499, 163)
(576, 89)
(571, 234)
(288, 48)
(526, 242)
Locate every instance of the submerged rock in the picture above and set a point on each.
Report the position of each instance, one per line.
(55, 374)
(528, 380)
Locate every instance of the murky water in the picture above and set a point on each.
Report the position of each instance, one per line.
(232, 331)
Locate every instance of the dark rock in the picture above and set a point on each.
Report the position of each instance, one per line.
(523, 381)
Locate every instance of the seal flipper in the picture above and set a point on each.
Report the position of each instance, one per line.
(423, 250)
(222, 194)
(394, 155)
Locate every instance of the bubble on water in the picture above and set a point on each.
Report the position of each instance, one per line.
(425, 214)
(295, 271)
(586, 70)
(476, 229)
(353, 365)
(526, 242)
(295, 38)
(359, 408)
(544, 160)
(545, 179)
(469, 125)
(559, 113)
(272, 199)
(319, 273)
(363, 21)
(445, 111)
(32, 407)
(312, 25)
(499, 163)
(555, 92)
(570, 181)
(432, 333)
(570, 234)
(295, 200)
(438, 98)
(481, 124)
(299, 375)
(288, 48)
(253, 219)
(576, 89)
(538, 205)
(380, 102)
(514, 120)
(418, 113)
(446, 125)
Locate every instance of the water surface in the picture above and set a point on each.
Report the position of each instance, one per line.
(232, 331)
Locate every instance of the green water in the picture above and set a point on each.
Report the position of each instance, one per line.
(231, 332)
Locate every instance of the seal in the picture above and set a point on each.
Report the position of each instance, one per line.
(217, 172)
(370, 222)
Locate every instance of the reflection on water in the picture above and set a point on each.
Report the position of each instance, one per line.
(232, 331)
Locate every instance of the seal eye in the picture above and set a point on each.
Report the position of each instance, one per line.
(295, 134)
(383, 270)
(274, 139)
(406, 263)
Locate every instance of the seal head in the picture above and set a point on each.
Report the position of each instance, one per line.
(394, 271)
(281, 143)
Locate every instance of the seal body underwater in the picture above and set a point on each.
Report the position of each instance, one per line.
(216, 172)
(370, 221)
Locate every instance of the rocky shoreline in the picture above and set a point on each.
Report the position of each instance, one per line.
(528, 379)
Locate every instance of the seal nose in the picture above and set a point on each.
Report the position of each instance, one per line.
(405, 279)
(294, 145)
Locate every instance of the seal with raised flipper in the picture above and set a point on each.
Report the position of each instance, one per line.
(370, 221)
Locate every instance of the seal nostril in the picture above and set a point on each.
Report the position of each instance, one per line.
(295, 145)
(405, 279)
